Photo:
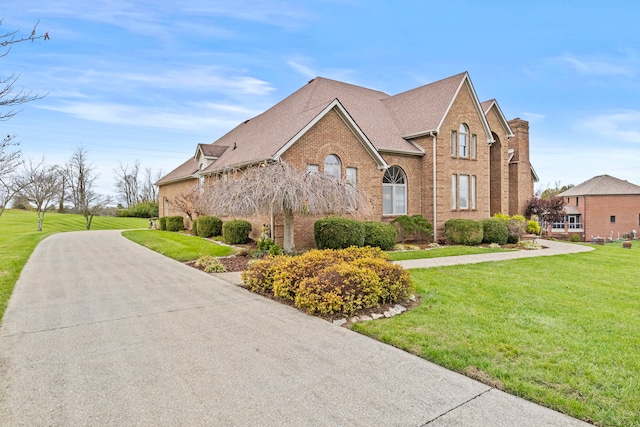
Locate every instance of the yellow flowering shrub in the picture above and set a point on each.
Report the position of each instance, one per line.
(331, 281)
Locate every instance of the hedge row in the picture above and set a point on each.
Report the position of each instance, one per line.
(340, 233)
(331, 281)
(233, 232)
(500, 229)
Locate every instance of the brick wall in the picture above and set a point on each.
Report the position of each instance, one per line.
(520, 175)
(597, 212)
(169, 192)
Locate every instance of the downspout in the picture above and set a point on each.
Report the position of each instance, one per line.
(435, 186)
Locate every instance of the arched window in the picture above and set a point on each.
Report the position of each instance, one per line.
(394, 192)
(332, 166)
(463, 140)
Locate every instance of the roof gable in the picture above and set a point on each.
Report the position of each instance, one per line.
(602, 185)
(422, 111)
(181, 173)
(492, 106)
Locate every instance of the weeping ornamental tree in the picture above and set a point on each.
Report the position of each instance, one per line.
(278, 188)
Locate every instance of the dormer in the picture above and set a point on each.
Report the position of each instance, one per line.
(207, 154)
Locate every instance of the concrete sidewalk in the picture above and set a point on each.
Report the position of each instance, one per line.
(551, 248)
(101, 331)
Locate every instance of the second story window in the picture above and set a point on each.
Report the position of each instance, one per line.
(463, 141)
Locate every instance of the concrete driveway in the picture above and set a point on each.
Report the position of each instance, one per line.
(101, 331)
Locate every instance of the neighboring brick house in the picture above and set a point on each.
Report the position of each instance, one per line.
(434, 150)
(603, 206)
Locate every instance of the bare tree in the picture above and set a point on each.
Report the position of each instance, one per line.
(278, 188)
(80, 179)
(10, 98)
(548, 211)
(189, 202)
(127, 184)
(40, 185)
(149, 192)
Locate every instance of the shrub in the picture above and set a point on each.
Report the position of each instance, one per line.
(175, 223)
(332, 281)
(140, 210)
(194, 227)
(533, 227)
(463, 231)
(379, 234)
(575, 238)
(338, 233)
(414, 227)
(209, 226)
(494, 230)
(210, 264)
(236, 232)
(267, 246)
(163, 223)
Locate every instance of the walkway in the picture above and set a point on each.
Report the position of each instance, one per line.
(101, 331)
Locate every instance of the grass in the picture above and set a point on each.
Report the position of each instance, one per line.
(181, 247)
(18, 239)
(442, 252)
(562, 331)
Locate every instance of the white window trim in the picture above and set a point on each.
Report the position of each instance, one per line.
(473, 191)
(463, 196)
(454, 191)
(463, 141)
(393, 195)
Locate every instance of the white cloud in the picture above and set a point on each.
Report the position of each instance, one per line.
(616, 126)
(533, 117)
(303, 65)
(599, 67)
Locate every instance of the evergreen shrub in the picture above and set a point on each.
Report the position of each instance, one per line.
(163, 223)
(338, 233)
(194, 227)
(414, 227)
(380, 235)
(463, 231)
(494, 230)
(236, 232)
(175, 223)
(209, 226)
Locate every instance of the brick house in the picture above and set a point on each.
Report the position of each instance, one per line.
(602, 206)
(435, 150)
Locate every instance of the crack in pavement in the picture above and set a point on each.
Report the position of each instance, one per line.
(456, 407)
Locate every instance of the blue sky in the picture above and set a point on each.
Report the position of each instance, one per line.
(149, 79)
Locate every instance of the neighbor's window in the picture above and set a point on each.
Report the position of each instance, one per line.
(463, 141)
(464, 191)
(313, 168)
(612, 218)
(394, 192)
(332, 166)
(352, 175)
(474, 146)
(454, 191)
(473, 191)
(454, 141)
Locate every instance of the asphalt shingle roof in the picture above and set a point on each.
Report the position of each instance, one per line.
(602, 185)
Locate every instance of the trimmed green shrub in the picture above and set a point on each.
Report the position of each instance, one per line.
(332, 281)
(163, 223)
(175, 223)
(236, 231)
(463, 231)
(575, 238)
(414, 227)
(380, 235)
(194, 227)
(494, 230)
(209, 226)
(533, 227)
(338, 233)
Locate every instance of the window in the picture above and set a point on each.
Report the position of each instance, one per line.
(612, 218)
(463, 141)
(577, 201)
(474, 146)
(313, 168)
(332, 166)
(352, 176)
(454, 141)
(464, 191)
(473, 191)
(454, 191)
(394, 192)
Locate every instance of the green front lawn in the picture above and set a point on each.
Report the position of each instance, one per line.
(179, 246)
(563, 331)
(442, 252)
(18, 239)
